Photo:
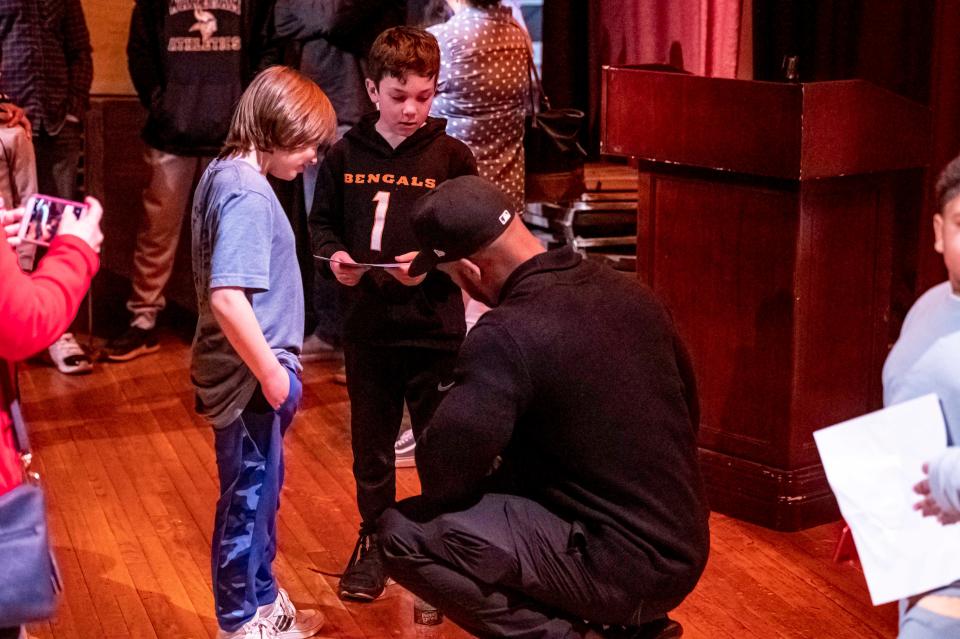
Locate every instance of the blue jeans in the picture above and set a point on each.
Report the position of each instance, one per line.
(58, 160)
(920, 623)
(250, 464)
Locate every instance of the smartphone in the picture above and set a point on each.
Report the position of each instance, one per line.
(42, 215)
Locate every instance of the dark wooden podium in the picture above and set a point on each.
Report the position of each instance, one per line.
(774, 221)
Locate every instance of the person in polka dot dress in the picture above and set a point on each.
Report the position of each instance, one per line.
(484, 88)
(484, 93)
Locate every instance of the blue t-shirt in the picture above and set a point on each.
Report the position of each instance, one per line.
(926, 357)
(241, 238)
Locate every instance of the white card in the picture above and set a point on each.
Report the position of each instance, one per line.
(872, 463)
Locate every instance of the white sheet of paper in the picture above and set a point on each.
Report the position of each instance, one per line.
(872, 463)
(359, 264)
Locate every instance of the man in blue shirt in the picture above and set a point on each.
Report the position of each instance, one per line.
(926, 359)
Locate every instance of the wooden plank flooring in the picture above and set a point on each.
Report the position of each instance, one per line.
(131, 482)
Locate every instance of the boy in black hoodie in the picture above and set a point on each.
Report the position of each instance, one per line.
(401, 333)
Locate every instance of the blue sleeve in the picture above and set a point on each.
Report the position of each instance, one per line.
(945, 480)
(241, 242)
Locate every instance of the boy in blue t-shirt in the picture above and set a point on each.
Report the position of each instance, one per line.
(400, 334)
(926, 359)
(245, 364)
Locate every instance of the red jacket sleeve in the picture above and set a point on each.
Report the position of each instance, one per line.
(36, 308)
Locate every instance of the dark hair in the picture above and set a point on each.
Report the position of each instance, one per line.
(948, 184)
(484, 4)
(282, 109)
(402, 50)
(426, 13)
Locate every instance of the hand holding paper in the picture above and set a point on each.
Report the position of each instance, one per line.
(345, 269)
(403, 265)
(873, 463)
(928, 506)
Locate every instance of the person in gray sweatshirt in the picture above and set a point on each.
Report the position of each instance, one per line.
(926, 359)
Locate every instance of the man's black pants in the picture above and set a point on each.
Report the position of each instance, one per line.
(507, 567)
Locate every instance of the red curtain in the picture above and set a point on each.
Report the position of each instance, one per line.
(701, 35)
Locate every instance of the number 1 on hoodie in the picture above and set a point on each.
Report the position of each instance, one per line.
(382, 198)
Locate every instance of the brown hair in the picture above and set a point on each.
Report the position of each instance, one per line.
(281, 109)
(948, 184)
(402, 50)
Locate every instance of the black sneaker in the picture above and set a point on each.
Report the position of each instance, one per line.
(663, 628)
(364, 577)
(134, 342)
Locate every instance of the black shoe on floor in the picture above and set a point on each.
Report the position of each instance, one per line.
(663, 628)
(134, 342)
(364, 577)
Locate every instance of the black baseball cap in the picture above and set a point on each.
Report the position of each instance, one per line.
(458, 218)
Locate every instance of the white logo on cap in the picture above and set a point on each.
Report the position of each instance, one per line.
(505, 216)
(439, 252)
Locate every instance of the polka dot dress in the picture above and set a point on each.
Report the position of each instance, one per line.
(484, 91)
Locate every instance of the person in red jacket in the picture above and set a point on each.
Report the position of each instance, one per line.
(36, 308)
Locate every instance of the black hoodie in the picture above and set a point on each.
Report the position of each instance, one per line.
(335, 36)
(189, 61)
(361, 174)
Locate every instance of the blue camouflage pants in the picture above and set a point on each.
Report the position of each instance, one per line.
(250, 465)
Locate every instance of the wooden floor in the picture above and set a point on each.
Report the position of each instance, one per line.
(132, 484)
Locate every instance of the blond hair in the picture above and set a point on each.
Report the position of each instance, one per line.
(282, 109)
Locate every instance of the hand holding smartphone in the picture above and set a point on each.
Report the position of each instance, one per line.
(42, 216)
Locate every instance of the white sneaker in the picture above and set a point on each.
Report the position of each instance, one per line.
(69, 357)
(404, 450)
(286, 622)
(256, 628)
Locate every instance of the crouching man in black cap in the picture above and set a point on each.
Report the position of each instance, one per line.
(561, 490)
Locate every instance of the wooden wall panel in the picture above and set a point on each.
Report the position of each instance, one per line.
(109, 24)
(723, 261)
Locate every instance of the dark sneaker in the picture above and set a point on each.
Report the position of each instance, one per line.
(364, 578)
(404, 449)
(663, 628)
(134, 342)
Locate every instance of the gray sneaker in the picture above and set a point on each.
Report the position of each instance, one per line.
(316, 349)
(405, 449)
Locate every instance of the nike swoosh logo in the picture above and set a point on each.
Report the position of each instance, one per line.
(445, 387)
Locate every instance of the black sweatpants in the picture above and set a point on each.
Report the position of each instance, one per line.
(508, 567)
(379, 379)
